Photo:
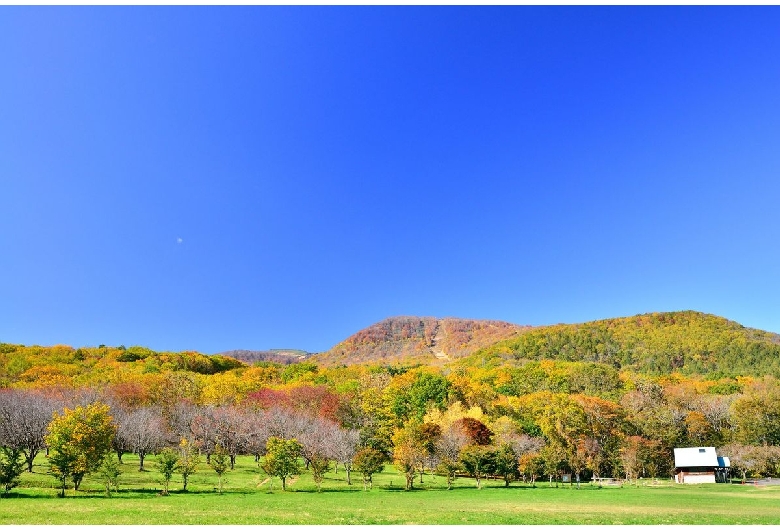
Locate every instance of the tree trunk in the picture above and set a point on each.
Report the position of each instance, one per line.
(284, 483)
(29, 457)
(141, 456)
(232, 462)
(349, 479)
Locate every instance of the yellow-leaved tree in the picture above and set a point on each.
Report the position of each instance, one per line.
(78, 440)
(408, 451)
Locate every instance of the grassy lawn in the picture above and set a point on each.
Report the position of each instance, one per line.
(248, 499)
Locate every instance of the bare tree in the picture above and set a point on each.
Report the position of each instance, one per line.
(24, 421)
(317, 438)
(751, 459)
(717, 411)
(180, 417)
(254, 433)
(142, 431)
(345, 447)
(281, 423)
(204, 427)
(447, 452)
(120, 443)
(227, 422)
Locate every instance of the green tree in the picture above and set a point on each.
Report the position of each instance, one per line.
(219, 462)
(478, 461)
(281, 458)
(430, 433)
(373, 415)
(78, 440)
(425, 391)
(505, 463)
(449, 468)
(319, 465)
(11, 467)
(167, 464)
(367, 462)
(554, 461)
(189, 458)
(109, 473)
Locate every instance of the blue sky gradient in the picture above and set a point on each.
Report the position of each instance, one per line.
(269, 177)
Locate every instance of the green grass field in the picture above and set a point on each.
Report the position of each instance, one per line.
(249, 500)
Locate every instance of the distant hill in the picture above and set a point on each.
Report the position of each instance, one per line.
(654, 343)
(281, 356)
(427, 340)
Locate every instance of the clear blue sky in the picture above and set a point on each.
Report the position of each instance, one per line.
(260, 177)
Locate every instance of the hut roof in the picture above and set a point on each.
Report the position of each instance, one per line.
(695, 457)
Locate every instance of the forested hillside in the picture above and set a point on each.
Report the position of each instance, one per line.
(657, 343)
(66, 366)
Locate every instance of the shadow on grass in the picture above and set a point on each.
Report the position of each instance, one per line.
(18, 495)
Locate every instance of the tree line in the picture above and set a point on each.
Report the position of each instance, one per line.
(412, 420)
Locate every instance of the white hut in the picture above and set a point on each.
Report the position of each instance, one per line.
(699, 465)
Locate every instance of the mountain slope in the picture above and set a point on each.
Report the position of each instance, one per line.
(655, 343)
(427, 340)
(277, 356)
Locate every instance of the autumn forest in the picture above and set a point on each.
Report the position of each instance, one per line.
(453, 397)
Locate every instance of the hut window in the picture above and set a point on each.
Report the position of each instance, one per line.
(702, 450)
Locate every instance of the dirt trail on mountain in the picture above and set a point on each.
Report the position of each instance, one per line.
(437, 351)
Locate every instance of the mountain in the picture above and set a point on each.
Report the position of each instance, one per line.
(280, 356)
(654, 343)
(426, 340)
(688, 342)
